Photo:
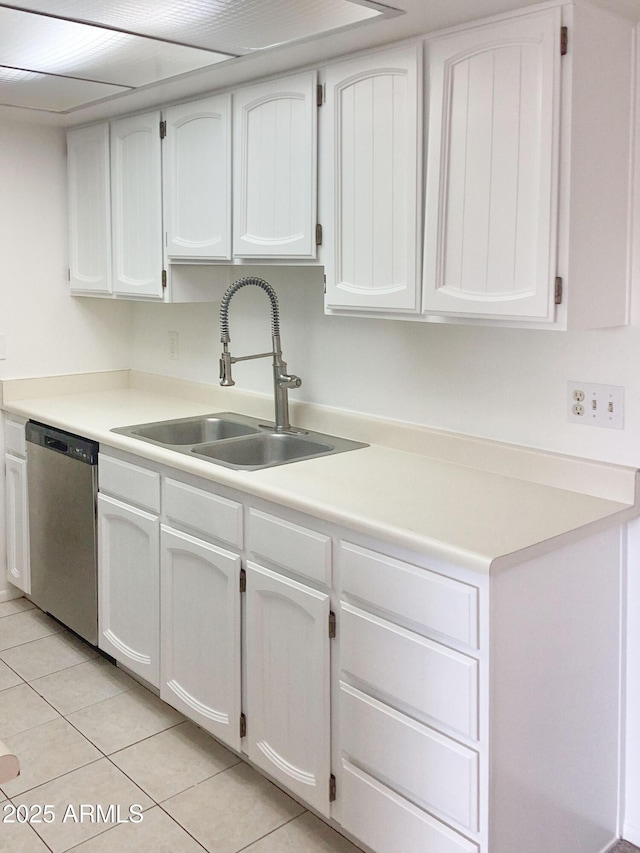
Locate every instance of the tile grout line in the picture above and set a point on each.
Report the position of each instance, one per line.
(277, 829)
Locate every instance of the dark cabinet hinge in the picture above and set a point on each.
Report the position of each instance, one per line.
(332, 788)
(163, 129)
(243, 580)
(243, 725)
(68, 273)
(164, 279)
(319, 95)
(318, 235)
(332, 625)
(557, 298)
(564, 40)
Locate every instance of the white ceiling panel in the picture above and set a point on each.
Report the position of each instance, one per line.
(52, 46)
(237, 26)
(48, 92)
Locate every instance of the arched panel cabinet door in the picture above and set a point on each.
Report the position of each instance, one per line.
(136, 206)
(200, 617)
(371, 128)
(288, 683)
(17, 523)
(275, 170)
(197, 179)
(128, 598)
(492, 173)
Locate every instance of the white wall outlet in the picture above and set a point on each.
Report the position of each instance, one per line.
(595, 405)
(173, 345)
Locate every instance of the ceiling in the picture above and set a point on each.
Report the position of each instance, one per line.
(72, 61)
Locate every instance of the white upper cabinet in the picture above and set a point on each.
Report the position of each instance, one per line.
(89, 209)
(136, 199)
(527, 196)
(492, 174)
(197, 179)
(371, 128)
(275, 169)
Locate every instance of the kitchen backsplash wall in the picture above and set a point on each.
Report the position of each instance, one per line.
(505, 384)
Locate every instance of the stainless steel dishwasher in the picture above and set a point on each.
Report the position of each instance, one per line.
(62, 477)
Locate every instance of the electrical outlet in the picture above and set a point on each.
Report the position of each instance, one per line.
(173, 345)
(595, 405)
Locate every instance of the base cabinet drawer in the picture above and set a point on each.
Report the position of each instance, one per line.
(440, 604)
(429, 767)
(440, 684)
(298, 549)
(388, 823)
(202, 512)
(131, 483)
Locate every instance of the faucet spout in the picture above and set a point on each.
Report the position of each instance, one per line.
(282, 381)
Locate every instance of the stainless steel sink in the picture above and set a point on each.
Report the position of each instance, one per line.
(189, 430)
(261, 451)
(237, 441)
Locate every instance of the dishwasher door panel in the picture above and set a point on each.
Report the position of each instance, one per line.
(62, 496)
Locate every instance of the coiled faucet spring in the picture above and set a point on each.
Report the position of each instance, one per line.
(234, 288)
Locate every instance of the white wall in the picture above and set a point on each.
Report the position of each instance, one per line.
(506, 384)
(46, 330)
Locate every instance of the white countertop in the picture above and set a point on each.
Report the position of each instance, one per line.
(478, 519)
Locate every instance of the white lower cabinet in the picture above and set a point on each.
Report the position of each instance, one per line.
(200, 618)
(388, 822)
(129, 586)
(407, 706)
(418, 706)
(17, 522)
(288, 728)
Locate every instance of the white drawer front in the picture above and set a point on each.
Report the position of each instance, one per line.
(439, 603)
(390, 824)
(437, 682)
(128, 482)
(14, 438)
(296, 548)
(429, 767)
(203, 512)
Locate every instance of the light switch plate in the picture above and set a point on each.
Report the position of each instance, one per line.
(3, 347)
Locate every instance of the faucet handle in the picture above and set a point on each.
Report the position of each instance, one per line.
(286, 381)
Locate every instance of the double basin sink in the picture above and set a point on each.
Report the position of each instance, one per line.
(237, 441)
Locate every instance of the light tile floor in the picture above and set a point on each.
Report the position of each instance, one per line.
(89, 735)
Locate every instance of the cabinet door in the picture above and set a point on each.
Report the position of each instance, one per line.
(288, 683)
(274, 188)
(197, 179)
(200, 617)
(17, 523)
(491, 208)
(136, 198)
(129, 586)
(371, 127)
(89, 209)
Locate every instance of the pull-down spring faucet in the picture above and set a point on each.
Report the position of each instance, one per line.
(281, 380)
